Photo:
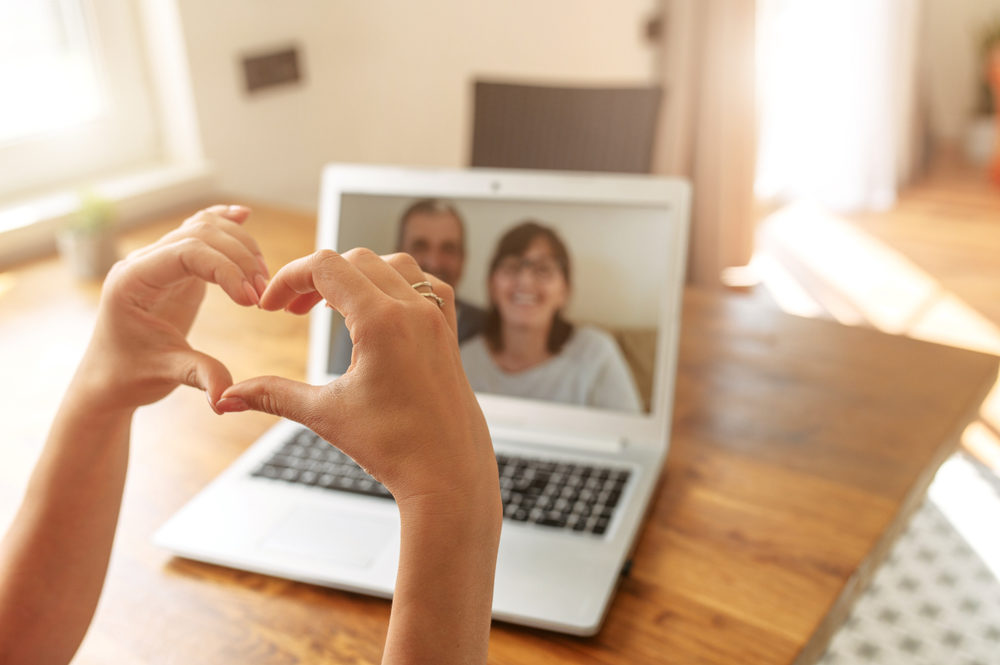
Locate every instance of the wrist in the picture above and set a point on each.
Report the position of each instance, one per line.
(473, 508)
(91, 421)
(444, 586)
(99, 387)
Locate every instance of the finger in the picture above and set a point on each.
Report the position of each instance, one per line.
(237, 231)
(394, 274)
(447, 293)
(213, 234)
(235, 213)
(200, 370)
(192, 257)
(229, 214)
(385, 276)
(231, 222)
(324, 272)
(413, 274)
(223, 218)
(304, 303)
(278, 396)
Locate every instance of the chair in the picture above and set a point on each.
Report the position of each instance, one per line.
(564, 128)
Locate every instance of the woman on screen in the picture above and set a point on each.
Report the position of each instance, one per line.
(527, 347)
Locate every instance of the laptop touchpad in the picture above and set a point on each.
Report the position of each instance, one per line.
(319, 533)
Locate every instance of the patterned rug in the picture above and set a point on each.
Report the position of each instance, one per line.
(936, 599)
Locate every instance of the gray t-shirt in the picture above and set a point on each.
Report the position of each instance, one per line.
(590, 370)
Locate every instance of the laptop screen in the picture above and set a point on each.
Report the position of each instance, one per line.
(557, 302)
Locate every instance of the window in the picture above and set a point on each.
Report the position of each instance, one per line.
(76, 103)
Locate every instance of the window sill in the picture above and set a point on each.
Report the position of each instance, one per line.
(28, 227)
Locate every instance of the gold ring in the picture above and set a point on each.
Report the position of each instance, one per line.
(438, 299)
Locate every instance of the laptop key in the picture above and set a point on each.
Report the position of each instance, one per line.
(609, 498)
(552, 518)
(268, 471)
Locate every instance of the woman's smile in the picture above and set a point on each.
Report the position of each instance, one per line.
(522, 298)
(529, 289)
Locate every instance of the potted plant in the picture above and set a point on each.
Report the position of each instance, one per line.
(86, 241)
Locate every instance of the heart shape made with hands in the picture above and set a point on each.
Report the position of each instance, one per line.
(154, 295)
(406, 371)
(254, 384)
(354, 282)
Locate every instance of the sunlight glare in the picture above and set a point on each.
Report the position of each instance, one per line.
(784, 288)
(46, 70)
(950, 321)
(971, 506)
(883, 286)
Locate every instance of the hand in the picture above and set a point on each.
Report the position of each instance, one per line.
(139, 352)
(405, 412)
(404, 409)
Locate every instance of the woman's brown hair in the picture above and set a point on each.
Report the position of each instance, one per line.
(515, 242)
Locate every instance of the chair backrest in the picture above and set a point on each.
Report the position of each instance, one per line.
(575, 129)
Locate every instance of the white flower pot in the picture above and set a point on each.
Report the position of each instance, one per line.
(89, 255)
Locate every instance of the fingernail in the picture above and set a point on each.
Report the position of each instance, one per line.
(231, 405)
(261, 283)
(251, 293)
(236, 210)
(211, 403)
(263, 266)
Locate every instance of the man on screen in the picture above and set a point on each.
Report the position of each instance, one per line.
(432, 232)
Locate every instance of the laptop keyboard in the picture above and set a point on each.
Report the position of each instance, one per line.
(307, 459)
(550, 493)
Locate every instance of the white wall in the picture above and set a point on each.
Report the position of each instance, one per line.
(385, 81)
(950, 36)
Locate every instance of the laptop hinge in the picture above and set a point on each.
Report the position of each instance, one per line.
(559, 439)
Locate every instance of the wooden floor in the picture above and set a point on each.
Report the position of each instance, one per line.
(928, 268)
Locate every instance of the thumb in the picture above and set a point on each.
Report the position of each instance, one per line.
(271, 394)
(200, 370)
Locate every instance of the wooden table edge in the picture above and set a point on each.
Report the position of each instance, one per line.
(841, 608)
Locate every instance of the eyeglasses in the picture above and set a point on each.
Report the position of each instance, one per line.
(542, 269)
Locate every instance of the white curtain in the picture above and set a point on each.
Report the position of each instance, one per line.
(707, 128)
(837, 93)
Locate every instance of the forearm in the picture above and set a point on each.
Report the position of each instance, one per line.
(54, 557)
(444, 589)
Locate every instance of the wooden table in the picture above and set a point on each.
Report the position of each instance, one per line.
(800, 448)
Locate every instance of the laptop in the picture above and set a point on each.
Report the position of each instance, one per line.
(576, 477)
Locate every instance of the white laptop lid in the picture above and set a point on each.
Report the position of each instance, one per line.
(626, 236)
